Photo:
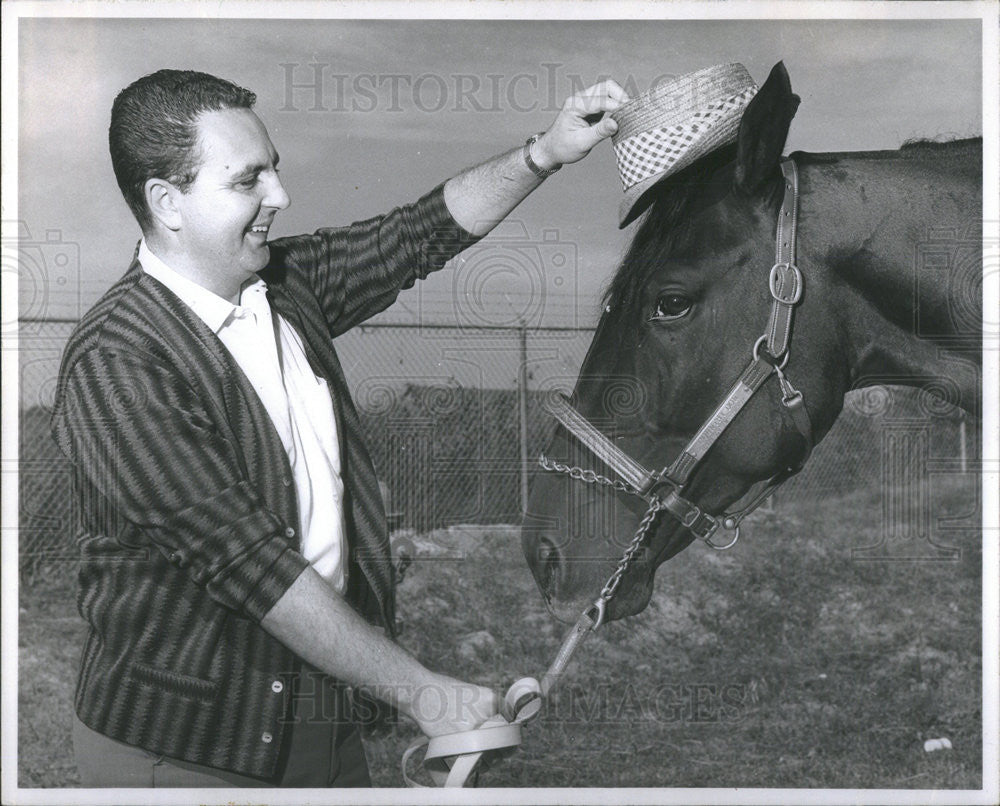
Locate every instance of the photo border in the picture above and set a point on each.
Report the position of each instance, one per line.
(489, 9)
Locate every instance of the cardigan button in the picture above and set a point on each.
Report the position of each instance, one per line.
(286, 480)
(289, 532)
(277, 686)
(266, 738)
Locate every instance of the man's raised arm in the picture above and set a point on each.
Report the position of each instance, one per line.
(481, 197)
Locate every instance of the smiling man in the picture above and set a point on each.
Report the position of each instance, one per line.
(235, 569)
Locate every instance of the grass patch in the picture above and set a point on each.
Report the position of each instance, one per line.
(50, 639)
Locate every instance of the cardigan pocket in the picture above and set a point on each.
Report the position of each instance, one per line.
(182, 684)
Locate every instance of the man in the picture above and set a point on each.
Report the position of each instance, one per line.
(235, 565)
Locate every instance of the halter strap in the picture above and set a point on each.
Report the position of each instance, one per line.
(785, 281)
(752, 378)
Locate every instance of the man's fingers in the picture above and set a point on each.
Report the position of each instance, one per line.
(604, 97)
(610, 88)
(606, 126)
(616, 91)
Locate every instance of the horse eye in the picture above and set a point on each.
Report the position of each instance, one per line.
(671, 306)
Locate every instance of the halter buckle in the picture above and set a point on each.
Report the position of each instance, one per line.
(690, 517)
(781, 275)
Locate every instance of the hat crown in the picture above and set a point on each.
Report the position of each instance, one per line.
(675, 101)
(671, 125)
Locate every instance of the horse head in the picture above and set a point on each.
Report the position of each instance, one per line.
(681, 319)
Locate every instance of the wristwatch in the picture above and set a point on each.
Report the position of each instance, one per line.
(533, 166)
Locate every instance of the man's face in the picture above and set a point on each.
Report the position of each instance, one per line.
(227, 210)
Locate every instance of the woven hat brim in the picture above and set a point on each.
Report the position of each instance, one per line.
(724, 134)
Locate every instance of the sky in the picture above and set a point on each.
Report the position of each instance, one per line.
(368, 114)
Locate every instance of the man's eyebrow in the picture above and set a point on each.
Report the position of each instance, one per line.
(259, 167)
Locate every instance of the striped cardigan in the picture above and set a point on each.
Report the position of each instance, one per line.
(187, 509)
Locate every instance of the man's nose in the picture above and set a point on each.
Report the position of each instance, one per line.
(276, 196)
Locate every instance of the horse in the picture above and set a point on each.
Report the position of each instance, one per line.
(684, 315)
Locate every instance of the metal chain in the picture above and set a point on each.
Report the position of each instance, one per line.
(633, 548)
(585, 475)
(590, 477)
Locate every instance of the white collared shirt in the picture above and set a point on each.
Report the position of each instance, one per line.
(273, 358)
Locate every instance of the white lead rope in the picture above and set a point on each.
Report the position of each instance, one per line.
(450, 760)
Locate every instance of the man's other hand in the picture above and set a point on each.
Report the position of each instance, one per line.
(451, 706)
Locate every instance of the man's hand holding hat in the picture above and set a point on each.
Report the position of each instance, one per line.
(575, 132)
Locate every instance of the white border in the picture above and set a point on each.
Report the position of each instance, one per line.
(9, 422)
(509, 10)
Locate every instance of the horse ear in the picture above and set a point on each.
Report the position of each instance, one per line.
(763, 130)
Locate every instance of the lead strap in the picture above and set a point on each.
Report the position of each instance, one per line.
(451, 760)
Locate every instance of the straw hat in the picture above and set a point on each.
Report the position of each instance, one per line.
(667, 128)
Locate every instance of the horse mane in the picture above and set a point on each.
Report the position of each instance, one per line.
(963, 155)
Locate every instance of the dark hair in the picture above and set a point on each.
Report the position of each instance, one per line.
(153, 130)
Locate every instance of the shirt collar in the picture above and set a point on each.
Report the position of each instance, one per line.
(212, 309)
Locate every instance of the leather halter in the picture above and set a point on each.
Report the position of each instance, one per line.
(770, 355)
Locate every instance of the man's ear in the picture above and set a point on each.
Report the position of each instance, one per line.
(161, 201)
(763, 130)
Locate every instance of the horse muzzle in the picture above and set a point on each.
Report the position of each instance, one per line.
(570, 569)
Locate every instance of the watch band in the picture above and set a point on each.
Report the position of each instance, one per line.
(533, 166)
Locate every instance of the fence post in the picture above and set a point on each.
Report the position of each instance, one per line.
(522, 402)
(961, 443)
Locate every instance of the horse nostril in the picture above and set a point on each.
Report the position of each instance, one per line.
(548, 564)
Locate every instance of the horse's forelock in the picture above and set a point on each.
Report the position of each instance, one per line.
(664, 228)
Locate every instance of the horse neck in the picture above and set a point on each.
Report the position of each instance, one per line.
(896, 238)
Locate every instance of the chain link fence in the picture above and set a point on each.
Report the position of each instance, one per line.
(454, 422)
